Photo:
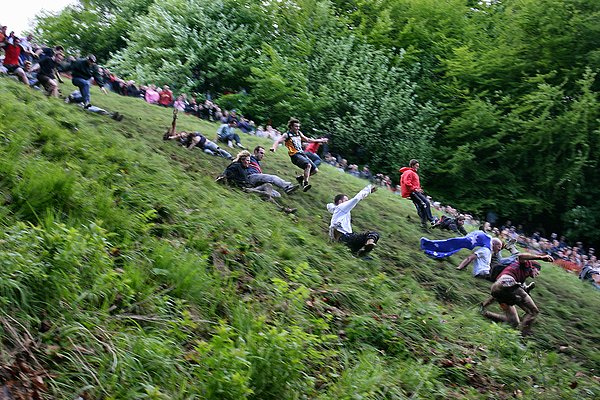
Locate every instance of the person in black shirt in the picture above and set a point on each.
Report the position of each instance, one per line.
(47, 72)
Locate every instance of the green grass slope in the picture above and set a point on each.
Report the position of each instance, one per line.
(127, 273)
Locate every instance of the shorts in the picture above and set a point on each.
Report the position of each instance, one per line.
(45, 80)
(300, 160)
(508, 291)
(12, 68)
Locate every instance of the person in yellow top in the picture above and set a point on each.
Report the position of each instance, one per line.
(292, 140)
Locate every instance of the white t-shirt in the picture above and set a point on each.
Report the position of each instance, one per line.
(481, 264)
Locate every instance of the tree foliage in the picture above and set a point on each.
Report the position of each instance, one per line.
(514, 82)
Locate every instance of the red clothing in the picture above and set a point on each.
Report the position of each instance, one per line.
(409, 181)
(312, 147)
(166, 98)
(519, 271)
(11, 54)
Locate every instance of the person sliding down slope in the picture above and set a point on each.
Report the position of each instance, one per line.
(340, 228)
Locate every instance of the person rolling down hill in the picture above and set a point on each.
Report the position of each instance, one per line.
(509, 290)
(340, 228)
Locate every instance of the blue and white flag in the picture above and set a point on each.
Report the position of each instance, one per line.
(445, 248)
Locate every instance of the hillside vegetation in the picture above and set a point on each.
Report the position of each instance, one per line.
(126, 272)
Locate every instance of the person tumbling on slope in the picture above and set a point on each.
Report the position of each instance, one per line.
(410, 187)
(510, 290)
(340, 228)
(82, 70)
(293, 139)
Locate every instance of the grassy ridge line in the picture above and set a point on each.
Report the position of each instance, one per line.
(187, 250)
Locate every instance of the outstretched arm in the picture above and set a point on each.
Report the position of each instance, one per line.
(277, 143)
(529, 256)
(311, 140)
(466, 262)
(350, 204)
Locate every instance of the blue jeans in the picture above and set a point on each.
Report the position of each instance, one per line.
(84, 88)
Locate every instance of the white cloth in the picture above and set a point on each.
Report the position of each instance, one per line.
(481, 264)
(341, 220)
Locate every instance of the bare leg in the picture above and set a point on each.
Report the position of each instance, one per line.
(531, 312)
(510, 315)
(307, 172)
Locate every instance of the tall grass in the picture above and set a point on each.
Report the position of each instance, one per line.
(137, 276)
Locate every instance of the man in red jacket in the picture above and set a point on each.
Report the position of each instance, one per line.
(410, 187)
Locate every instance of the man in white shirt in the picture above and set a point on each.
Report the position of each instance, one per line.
(340, 228)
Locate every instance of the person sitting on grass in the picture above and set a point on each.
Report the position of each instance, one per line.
(452, 224)
(340, 228)
(226, 134)
(237, 173)
(256, 176)
(47, 72)
(12, 52)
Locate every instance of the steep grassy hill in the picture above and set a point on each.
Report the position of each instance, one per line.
(127, 273)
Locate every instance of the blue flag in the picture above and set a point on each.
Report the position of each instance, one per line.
(445, 248)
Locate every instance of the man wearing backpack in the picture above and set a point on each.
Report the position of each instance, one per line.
(509, 290)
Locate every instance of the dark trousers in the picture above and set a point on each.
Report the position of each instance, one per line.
(422, 205)
(356, 241)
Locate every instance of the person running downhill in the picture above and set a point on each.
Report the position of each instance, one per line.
(510, 290)
(293, 139)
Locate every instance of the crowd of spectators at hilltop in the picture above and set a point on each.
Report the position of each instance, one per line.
(27, 61)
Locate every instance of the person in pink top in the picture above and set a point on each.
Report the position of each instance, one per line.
(152, 95)
(410, 188)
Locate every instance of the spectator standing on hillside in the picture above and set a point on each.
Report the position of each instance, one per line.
(293, 139)
(410, 187)
(82, 70)
(510, 290)
(226, 134)
(340, 228)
